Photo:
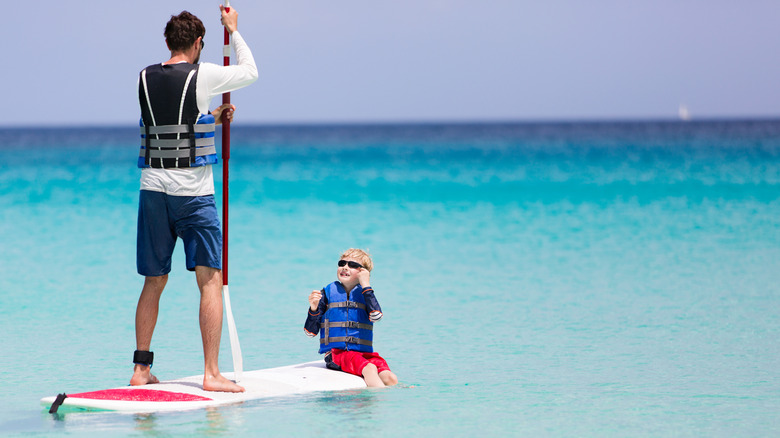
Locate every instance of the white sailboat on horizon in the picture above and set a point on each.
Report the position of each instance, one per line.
(684, 113)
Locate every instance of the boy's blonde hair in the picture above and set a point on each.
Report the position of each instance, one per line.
(361, 256)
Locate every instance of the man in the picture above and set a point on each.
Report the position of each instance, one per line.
(177, 185)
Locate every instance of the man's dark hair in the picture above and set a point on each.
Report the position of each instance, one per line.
(182, 30)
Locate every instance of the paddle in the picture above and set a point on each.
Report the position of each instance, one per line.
(235, 347)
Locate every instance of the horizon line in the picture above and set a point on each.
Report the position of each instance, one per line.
(430, 122)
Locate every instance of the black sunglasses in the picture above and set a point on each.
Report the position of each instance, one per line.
(353, 265)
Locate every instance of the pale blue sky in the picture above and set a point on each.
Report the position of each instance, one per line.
(69, 62)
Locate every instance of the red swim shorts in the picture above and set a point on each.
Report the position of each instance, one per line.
(353, 362)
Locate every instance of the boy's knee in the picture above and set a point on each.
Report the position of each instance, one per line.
(389, 378)
(370, 369)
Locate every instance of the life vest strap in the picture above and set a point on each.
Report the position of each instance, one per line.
(179, 153)
(173, 143)
(199, 128)
(193, 143)
(147, 145)
(348, 304)
(346, 339)
(347, 324)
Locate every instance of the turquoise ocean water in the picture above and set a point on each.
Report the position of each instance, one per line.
(538, 279)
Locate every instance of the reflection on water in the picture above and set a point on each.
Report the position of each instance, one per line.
(338, 403)
(146, 424)
(210, 421)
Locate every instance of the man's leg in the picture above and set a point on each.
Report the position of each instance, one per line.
(210, 285)
(145, 321)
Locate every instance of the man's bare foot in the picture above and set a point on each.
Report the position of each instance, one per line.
(221, 384)
(142, 375)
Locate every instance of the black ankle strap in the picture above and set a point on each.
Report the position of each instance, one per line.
(143, 358)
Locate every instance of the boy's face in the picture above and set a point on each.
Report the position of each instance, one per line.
(348, 273)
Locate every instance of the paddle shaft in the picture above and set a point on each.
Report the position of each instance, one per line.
(235, 346)
(225, 158)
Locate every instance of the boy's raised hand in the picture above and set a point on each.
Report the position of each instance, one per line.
(364, 277)
(314, 299)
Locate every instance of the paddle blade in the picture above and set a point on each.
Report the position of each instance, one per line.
(235, 347)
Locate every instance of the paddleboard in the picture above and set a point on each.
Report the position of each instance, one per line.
(187, 393)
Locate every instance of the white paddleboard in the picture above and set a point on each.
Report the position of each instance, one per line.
(187, 393)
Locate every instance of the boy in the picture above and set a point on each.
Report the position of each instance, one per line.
(346, 310)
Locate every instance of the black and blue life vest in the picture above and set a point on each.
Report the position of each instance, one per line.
(345, 324)
(173, 132)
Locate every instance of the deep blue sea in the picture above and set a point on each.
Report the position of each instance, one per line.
(537, 279)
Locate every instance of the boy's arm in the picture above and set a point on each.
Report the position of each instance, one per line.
(372, 305)
(313, 317)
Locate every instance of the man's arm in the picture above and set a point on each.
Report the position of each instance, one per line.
(214, 80)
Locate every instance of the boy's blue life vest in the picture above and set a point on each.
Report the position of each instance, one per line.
(345, 324)
(173, 132)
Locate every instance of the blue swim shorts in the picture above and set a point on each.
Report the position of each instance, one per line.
(162, 218)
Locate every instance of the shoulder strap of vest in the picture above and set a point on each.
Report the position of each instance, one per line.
(146, 96)
(184, 94)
